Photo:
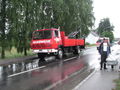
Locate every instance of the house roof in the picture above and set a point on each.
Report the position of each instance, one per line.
(94, 33)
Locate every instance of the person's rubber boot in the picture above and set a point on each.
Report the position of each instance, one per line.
(105, 66)
(100, 66)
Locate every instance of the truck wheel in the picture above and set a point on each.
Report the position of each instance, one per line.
(77, 50)
(41, 57)
(60, 53)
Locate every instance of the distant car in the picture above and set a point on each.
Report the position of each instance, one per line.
(100, 40)
(119, 42)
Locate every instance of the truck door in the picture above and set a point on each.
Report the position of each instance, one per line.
(57, 38)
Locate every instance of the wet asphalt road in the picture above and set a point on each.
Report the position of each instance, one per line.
(52, 75)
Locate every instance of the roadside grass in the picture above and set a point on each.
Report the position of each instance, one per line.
(14, 54)
(90, 45)
(117, 81)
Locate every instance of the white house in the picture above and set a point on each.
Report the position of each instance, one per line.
(92, 38)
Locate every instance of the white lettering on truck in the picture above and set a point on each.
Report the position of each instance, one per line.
(44, 41)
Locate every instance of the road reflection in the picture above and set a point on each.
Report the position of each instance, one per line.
(38, 79)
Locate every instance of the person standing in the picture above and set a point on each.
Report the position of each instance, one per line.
(104, 50)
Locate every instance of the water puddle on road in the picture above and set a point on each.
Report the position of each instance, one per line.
(17, 67)
(0, 72)
(11, 69)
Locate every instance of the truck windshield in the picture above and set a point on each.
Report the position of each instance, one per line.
(46, 34)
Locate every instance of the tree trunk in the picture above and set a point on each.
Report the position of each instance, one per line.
(3, 53)
(25, 51)
(26, 28)
(2, 27)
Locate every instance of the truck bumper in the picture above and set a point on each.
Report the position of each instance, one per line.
(45, 50)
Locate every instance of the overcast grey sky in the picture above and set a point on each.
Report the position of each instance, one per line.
(108, 9)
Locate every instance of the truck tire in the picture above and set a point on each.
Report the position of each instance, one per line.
(77, 50)
(41, 56)
(59, 54)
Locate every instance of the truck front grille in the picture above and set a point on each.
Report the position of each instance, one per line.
(40, 46)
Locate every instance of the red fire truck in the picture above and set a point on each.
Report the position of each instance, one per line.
(54, 42)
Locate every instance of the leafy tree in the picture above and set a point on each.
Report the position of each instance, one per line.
(108, 34)
(68, 14)
(105, 29)
(23, 24)
(104, 25)
(5, 33)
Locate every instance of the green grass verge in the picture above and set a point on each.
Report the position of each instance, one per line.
(14, 54)
(117, 81)
(91, 45)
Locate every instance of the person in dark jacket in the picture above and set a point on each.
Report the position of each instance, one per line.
(104, 50)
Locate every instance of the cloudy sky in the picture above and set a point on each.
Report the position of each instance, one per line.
(109, 9)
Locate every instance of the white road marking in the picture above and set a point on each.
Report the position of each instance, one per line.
(25, 71)
(78, 86)
(69, 59)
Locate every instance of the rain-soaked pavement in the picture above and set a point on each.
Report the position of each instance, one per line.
(52, 75)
